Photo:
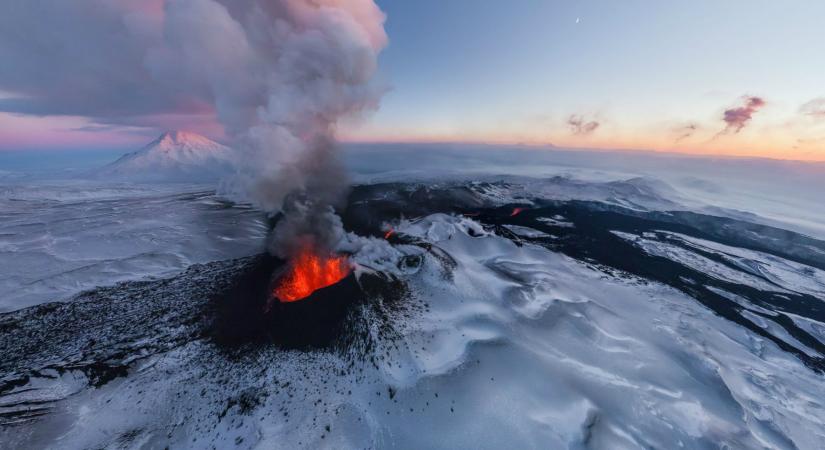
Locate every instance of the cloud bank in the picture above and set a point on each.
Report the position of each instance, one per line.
(129, 61)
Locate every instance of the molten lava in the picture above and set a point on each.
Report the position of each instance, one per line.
(309, 272)
(517, 211)
(389, 233)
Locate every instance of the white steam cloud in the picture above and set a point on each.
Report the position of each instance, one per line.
(280, 75)
(277, 74)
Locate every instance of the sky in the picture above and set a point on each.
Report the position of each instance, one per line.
(737, 77)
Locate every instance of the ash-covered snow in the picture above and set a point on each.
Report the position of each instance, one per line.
(684, 256)
(780, 193)
(781, 272)
(527, 232)
(556, 221)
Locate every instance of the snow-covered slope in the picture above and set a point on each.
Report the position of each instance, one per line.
(503, 344)
(61, 238)
(174, 156)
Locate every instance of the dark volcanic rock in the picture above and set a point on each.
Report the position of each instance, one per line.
(107, 328)
(101, 334)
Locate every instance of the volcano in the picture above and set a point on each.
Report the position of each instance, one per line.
(250, 312)
(175, 156)
(308, 272)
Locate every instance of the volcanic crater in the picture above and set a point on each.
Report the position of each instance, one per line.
(330, 318)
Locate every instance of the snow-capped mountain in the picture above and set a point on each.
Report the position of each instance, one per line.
(174, 156)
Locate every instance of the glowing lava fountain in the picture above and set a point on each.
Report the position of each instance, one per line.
(309, 272)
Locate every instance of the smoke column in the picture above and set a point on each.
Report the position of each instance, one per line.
(289, 70)
(277, 75)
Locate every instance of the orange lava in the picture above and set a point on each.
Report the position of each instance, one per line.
(389, 233)
(308, 273)
(517, 211)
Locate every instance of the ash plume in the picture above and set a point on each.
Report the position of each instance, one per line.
(277, 75)
(737, 118)
(581, 126)
(295, 68)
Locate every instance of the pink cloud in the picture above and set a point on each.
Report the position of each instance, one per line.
(737, 118)
(28, 133)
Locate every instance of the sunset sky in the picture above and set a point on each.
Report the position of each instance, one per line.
(735, 77)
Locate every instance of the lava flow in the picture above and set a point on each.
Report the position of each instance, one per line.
(517, 211)
(309, 272)
(389, 233)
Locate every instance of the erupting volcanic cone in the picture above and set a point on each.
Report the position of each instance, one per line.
(307, 273)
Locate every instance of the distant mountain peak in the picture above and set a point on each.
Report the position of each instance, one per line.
(174, 155)
(178, 137)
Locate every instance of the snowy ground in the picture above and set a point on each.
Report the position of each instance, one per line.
(596, 317)
(520, 347)
(59, 238)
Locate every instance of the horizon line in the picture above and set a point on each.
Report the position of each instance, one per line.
(447, 142)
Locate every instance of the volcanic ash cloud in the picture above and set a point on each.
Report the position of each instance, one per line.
(277, 74)
(293, 69)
